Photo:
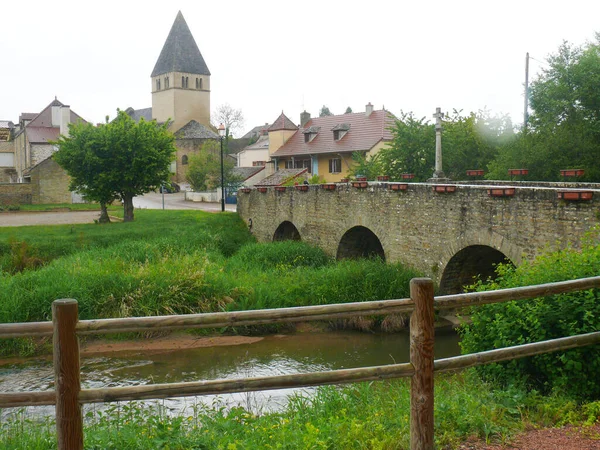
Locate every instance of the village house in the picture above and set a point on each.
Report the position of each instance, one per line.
(324, 145)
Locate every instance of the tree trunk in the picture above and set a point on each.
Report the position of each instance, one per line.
(103, 214)
(128, 208)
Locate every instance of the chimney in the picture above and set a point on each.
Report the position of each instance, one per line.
(304, 118)
(55, 116)
(65, 119)
(369, 109)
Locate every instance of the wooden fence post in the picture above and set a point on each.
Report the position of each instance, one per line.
(421, 357)
(69, 421)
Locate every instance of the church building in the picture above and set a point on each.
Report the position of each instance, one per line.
(181, 95)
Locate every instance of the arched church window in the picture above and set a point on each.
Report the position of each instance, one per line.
(200, 83)
(186, 82)
(197, 84)
(182, 82)
(184, 160)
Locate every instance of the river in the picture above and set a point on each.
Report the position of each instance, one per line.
(273, 355)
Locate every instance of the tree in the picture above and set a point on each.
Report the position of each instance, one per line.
(325, 111)
(564, 127)
(81, 155)
(231, 118)
(122, 158)
(204, 169)
(348, 110)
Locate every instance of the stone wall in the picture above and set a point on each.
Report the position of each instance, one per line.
(50, 183)
(15, 193)
(422, 228)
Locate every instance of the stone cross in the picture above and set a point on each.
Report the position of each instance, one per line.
(438, 173)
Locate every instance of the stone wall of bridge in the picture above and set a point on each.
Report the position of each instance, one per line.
(423, 228)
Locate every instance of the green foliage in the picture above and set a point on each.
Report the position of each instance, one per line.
(324, 111)
(348, 110)
(283, 256)
(564, 128)
(204, 170)
(366, 166)
(119, 159)
(353, 417)
(573, 372)
(316, 179)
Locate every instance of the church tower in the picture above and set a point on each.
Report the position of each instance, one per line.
(181, 80)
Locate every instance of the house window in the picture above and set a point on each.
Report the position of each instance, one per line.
(258, 163)
(299, 164)
(306, 137)
(184, 160)
(335, 165)
(336, 135)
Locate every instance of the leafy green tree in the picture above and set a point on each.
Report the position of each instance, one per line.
(122, 158)
(82, 156)
(564, 127)
(348, 110)
(204, 169)
(366, 166)
(412, 149)
(325, 111)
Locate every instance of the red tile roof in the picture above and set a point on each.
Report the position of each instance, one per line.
(282, 123)
(362, 135)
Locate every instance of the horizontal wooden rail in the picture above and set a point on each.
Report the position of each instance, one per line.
(25, 329)
(192, 388)
(519, 293)
(20, 399)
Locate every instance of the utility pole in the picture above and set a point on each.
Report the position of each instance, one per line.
(438, 173)
(525, 112)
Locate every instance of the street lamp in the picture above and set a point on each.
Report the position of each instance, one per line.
(221, 136)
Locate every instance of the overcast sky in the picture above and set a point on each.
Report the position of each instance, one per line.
(269, 56)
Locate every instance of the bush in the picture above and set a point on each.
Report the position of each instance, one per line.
(574, 372)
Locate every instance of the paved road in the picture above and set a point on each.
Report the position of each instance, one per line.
(153, 200)
(148, 201)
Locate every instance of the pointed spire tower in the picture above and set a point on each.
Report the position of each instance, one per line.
(181, 80)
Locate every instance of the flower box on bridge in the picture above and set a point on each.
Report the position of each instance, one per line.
(281, 188)
(245, 190)
(475, 173)
(383, 178)
(361, 178)
(575, 196)
(344, 180)
(501, 192)
(360, 184)
(407, 176)
(328, 186)
(398, 186)
(572, 173)
(301, 187)
(262, 190)
(517, 172)
(444, 188)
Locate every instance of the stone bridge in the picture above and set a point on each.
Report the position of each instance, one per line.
(449, 232)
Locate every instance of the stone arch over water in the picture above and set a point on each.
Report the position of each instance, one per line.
(287, 231)
(360, 242)
(468, 264)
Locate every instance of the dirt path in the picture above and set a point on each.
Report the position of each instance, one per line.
(565, 438)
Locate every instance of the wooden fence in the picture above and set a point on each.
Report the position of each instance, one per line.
(68, 395)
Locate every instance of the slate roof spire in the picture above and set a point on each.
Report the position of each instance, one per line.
(180, 52)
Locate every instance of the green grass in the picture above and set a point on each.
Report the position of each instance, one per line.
(360, 416)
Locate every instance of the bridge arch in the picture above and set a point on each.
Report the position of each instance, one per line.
(470, 262)
(286, 231)
(475, 253)
(359, 242)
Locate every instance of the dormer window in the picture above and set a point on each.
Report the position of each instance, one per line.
(310, 133)
(340, 130)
